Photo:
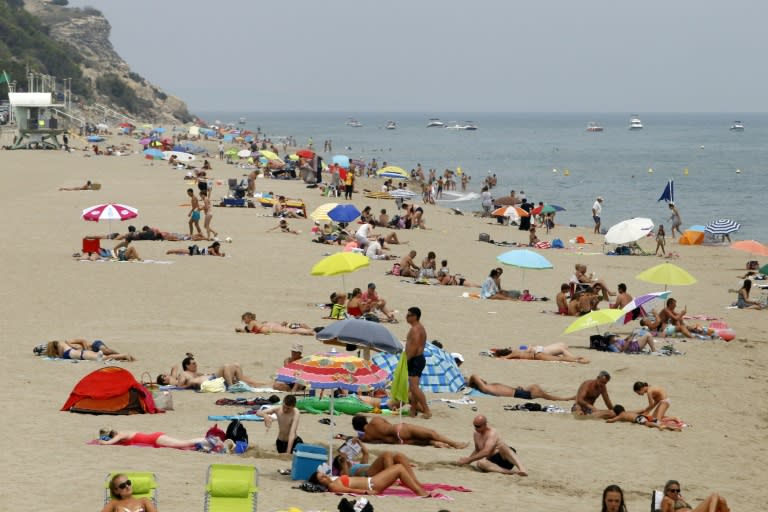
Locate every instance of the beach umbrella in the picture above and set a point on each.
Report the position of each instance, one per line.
(764, 270)
(750, 246)
(334, 370)
(628, 231)
(342, 160)
(392, 171)
(594, 319)
(344, 213)
(667, 274)
(306, 153)
(244, 153)
(441, 375)
(159, 129)
(403, 192)
(361, 333)
(321, 212)
(294, 157)
(523, 258)
(339, 264)
(269, 155)
(145, 141)
(557, 208)
(153, 154)
(544, 209)
(722, 227)
(125, 125)
(109, 212)
(510, 211)
(638, 302)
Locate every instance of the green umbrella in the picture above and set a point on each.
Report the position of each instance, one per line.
(764, 269)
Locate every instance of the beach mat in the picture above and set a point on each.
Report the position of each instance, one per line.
(230, 417)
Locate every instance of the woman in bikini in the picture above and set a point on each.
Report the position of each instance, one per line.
(121, 490)
(376, 484)
(355, 306)
(255, 327)
(552, 352)
(63, 350)
(658, 401)
(673, 501)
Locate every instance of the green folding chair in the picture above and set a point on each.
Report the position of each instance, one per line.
(231, 488)
(143, 485)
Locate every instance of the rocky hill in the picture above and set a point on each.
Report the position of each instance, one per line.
(58, 38)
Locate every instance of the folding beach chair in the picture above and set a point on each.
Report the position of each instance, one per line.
(656, 497)
(143, 485)
(231, 488)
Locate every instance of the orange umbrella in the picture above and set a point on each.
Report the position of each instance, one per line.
(510, 211)
(750, 246)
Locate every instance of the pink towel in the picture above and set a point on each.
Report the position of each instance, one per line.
(404, 492)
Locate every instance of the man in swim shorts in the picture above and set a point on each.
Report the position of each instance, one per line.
(491, 453)
(414, 351)
(588, 393)
(288, 423)
(379, 430)
(525, 393)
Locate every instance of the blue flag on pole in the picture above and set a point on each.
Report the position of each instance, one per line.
(669, 192)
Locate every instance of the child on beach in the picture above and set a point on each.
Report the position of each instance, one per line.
(283, 227)
(660, 240)
(658, 402)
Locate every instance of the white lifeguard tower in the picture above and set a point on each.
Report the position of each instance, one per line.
(36, 120)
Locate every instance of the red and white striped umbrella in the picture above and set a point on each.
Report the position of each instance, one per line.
(110, 211)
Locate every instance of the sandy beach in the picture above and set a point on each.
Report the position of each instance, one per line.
(158, 312)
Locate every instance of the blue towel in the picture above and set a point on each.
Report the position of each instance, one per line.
(241, 417)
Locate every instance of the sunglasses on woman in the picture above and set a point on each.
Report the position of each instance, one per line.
(123, 485)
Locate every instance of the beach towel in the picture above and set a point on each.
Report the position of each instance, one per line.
(230, 417)
(476, 392)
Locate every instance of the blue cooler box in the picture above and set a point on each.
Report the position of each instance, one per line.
(306, 459)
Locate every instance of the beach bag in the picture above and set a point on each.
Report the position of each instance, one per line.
(213, 386)
(557, 244)
(215, 431)
(236, 431)
(163, 399)
(598, 342)
(484, 237)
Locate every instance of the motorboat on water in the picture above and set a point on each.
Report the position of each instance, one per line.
(464, 125)
(737, 126)
(435, 123)
(635, 123)
(391, 125)
(354, 123)
(594, 127)
(241, 120)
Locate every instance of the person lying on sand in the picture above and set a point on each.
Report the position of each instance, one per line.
(88, 186)
(491, 452)
(523, 392)
(193, 250)
(639, 417)
(379, 430)
(551, 352)
(81, 344)
(157, 440)
(65, 350)
(342, 465)
(255, 327)
(369, 485)
(189, 377)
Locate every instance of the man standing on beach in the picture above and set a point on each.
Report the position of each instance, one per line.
(414, 351)
(194, 213)
(491, 452)
(597, 209)
(221, 151)
(587, 395)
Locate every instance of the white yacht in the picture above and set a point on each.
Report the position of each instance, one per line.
(391, 125)
(354, 123)
(435, 123)
(737, 126)
(464, 125)
(241, 120)
(635, 123)
(594, 127)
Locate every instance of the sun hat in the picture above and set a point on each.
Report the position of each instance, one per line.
(297, 347)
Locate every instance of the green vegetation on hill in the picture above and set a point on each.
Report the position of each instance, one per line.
(25, 41)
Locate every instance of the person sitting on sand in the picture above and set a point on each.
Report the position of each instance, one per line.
(265, 327)
(445, 278)
(532, 238)
(281, 209)
(283, 227)
(375, 250)
(561, 299)
(552, 352)
(429, 266)
(88, 186)
(588, 393)
(408, 267)
(531, 392)
(189, 377)
(158, 440)
(623, 298)
(369, 485)
(658, 401)
(581, 276)
(371, 302)
(742, 299)
(343, 465)
(673, 501)
(491, 452)
(490, 288)
(121, 492)
(193, 250)
(65, 350)
(633, 344)
(379, 430)
(622, 415)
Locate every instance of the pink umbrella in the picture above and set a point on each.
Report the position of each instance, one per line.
(110, 211)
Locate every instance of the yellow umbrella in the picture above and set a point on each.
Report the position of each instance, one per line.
(269, 155)
(667, 274)
(595, 318)
(340, 263)
(294, 157)
(321, 212)
(392, 171)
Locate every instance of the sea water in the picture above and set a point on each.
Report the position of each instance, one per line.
(717, 173)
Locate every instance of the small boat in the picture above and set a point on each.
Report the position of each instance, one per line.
(391, 125)
(241, 120)
(435, 123)
(737, 126)
(470, 125)
(463, 126)
(635, 123)
(594, 127)
(354, 123)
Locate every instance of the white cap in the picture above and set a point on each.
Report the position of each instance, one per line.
(457, 356)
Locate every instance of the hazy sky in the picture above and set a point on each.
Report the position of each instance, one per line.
(449, 55)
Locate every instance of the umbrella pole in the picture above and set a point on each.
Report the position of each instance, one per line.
(330, 439)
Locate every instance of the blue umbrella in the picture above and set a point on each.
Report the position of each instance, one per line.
(158, 130)
(556, 207)
(361, 333)
(722, 227)
(344, 213)
(154, 153)
(95, 138)
(342, 160)
(441, 375)
(525, 259)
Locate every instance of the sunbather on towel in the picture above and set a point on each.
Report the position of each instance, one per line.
(379, 430)
(69, 350)
(551, 352)
(526, 393)
(158, 440)
(81, 344)
(265, 327)
(189, 377)
(369, 485)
